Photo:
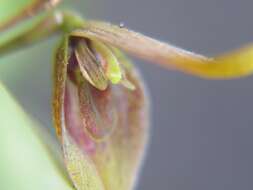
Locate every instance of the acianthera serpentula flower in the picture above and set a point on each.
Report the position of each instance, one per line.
(100, 107)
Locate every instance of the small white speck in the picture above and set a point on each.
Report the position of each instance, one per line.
(121, 25)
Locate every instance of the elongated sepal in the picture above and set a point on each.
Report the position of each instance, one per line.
(230, 65)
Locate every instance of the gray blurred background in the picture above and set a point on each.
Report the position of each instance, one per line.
(201, 130)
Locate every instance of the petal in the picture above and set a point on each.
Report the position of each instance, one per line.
(90, 67)
(113, 70)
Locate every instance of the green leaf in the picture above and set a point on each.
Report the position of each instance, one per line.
(26, 161)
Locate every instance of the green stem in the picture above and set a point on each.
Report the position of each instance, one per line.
(71, 21)
(55, 22)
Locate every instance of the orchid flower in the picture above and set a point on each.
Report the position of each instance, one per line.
(100, 105)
